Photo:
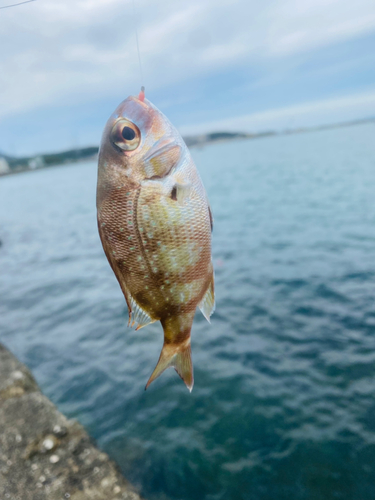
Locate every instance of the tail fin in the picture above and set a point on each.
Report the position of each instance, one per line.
(178, 356)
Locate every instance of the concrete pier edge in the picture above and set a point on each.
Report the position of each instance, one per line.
(43, 455)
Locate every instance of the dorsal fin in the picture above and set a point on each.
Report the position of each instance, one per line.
(207, 304)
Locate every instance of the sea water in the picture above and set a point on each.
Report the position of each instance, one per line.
(283, 405)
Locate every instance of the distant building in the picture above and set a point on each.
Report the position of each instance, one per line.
(4, 167)
(37, 162)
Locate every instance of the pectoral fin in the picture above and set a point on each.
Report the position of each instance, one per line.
(207, 304)
(180, 192)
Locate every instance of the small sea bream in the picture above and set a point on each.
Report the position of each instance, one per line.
(155, 225)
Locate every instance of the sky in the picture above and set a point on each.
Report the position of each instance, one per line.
(209, 65)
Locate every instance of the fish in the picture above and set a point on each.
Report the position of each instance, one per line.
(155, 225)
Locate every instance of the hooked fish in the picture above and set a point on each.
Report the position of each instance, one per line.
(155, 225)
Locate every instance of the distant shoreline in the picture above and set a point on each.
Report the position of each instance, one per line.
(13, 165)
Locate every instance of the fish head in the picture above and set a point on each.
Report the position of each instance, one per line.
(139, 143)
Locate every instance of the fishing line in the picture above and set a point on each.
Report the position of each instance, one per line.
(136, 37)
(15, 4)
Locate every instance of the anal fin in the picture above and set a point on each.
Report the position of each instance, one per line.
(137, 315)
(207, 304)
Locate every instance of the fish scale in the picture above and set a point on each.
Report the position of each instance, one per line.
(155, 226)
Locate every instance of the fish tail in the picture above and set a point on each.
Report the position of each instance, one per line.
(178, 356)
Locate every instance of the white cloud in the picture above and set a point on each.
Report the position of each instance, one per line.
(296, 26)
(313, 113)
(78, 51)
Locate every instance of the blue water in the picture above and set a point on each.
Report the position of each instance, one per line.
(283, 405)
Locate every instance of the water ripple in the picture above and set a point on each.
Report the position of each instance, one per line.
(284, 397)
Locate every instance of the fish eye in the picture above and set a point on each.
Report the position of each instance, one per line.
(125, 135)
(128, 133)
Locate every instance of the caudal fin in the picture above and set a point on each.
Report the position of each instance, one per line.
(178, 356)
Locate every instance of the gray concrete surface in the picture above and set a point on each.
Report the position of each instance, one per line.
(43, 455)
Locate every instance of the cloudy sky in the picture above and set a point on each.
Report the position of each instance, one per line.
(207, 64)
